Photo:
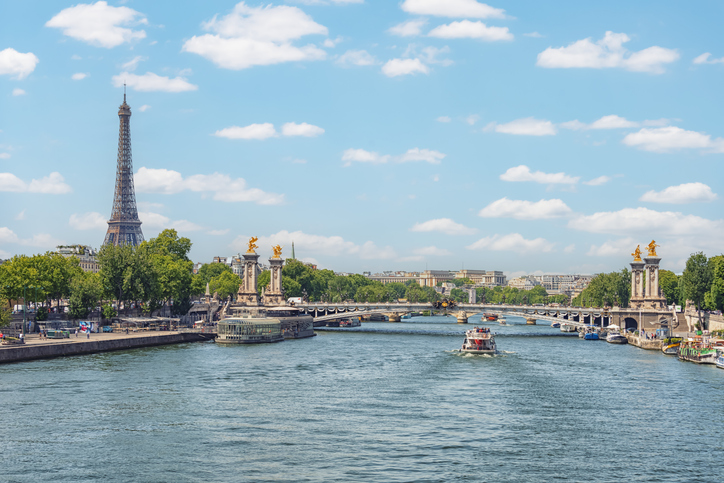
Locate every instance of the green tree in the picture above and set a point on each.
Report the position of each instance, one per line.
(606, 289)
(669, 283)
(696, 279)
(716, 293)
(5, 312)
(208, 271)
(263, 280)
(459, 282)
(225, 284)
(85, 291)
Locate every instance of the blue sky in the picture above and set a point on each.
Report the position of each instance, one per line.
(413, 134)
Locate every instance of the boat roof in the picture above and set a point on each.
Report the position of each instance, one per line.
(249, 321)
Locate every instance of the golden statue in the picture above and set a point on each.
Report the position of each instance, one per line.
(637, 254)
(277, 251)
(652, 248)
(252, 245)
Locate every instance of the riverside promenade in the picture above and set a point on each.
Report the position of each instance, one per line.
(37, 348)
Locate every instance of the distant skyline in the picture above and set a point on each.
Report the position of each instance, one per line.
(516, 136)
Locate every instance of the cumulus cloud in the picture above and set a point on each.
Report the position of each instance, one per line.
(514, 242)
(618, 248)
(606, 122)
(598, 181)
(647, 223)
(303, 129)
(332, 246)
(472, 119)
(671, 138)
(431, 251)
(704, 59)
(41, 240)
(452, 8)
(534, 35)
(16, 64)
(79, 76)
(160, 222)
(88, 221)
(133, 63)
(53, 184)
(223, 187)
(409, 28)
(415, 154)
(681, 194)
(523, 173)
(18, 92)
(528, 126)
(99, 24)
(144, 108)
(356, 57)
(251, 36)
(4, 155)
(608, 52)
(398, 67)
(443, 225)
(252, 131)
(525, 210)
(150, 82)
(465, 29)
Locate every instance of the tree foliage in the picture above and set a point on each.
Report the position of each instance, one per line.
(696, 279)
(606, 289)
(715, 299)
(225, 284)
(669, 283)
(85, 291)
(5, 313)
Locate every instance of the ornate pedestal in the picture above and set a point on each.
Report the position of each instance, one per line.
(247, 291)
(274, 294)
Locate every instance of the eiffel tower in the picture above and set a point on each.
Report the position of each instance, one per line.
(124, 227)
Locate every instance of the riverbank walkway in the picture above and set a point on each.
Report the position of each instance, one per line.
(37, 348)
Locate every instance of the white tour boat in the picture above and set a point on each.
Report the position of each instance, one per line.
(479, 341)
(615, 337)
(568, 328)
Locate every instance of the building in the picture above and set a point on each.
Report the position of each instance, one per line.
(86, 256)
(484, 278)
(124, 227)
(430, 278)
(393, 277)
(524, 283)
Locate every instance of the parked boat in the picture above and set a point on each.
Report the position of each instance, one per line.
(720, 358)
(591, 336)
(479, 341)
(353, 322)
(489, 317)
(568, 328)
(556, 325)
(237, 330)
(615, 337)
(671, 346)
(696, 350)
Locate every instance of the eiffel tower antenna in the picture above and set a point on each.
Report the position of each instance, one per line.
(124, 227)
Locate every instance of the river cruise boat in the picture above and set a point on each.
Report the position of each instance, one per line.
(237, 330)
(695, 350)
(489, 317)
(351, 322)
(568, 328)
(479, 341)
(615, 337)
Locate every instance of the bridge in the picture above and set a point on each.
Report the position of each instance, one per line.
(578, 316)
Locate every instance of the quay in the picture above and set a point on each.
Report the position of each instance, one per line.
(36, 348)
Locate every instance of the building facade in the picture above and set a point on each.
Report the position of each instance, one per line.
(86, 256)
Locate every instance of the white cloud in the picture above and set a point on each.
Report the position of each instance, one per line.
(415, 154)
(79, 76)
(570, 248)
(219, 232)
(618, 248)
(648, 222)
(443, 119)
(398, 67)
(525, 210)
(4, 155)
(329, 43)
(452, 8)
(608, 52)
(250, 36)
(252, 131)
(704, 59)
(513, 242)
(671, 138)
(133, 63)
(303, 129)
(332, 246)
(17, 64)
(681, 194)
(99, 24)
(410, 28)
(598, 181)
(150, 82)
(42, 240)
(53, 184)
(20, 216)
(160, 222)
(7, 235)
(523, 173)
(612, 122)
(472, 119)
(356, 57)
(443, 225)
(465, 29)
(144, 108)
(225, 188)
(88, 221)
(18, 92)
(525, 127)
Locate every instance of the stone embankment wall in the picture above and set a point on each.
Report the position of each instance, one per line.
(652, 345)
(42, 351)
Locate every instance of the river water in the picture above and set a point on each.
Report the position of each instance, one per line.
(384, 402)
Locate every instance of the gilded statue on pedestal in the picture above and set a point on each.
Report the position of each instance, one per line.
(252, 245)
(652, 248)
(637, 254)
(277, 251)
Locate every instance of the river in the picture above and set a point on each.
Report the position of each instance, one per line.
(384, 402)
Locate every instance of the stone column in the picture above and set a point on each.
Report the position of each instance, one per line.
(274, 294)
(652, 297)
(247, 291)
(637, 277)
